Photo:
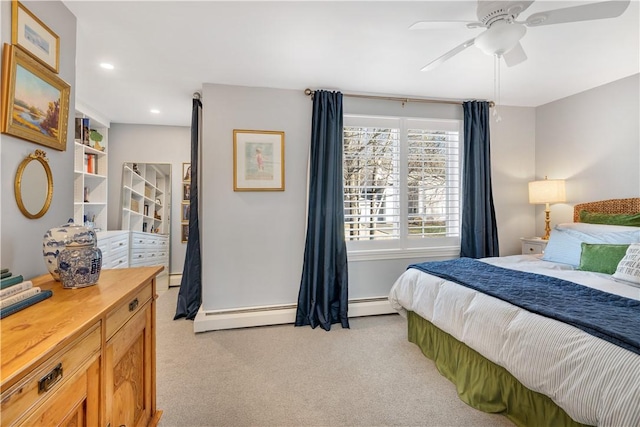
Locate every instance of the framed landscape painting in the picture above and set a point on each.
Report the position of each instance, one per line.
(31, 34)
(35, 102)
(258, 160)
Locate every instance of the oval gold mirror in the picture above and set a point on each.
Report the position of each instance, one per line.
(34, 185)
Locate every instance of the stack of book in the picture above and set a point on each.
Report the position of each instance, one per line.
(17, 294)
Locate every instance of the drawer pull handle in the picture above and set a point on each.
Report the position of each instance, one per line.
(133, 304)
(530, 249)
(50, 379)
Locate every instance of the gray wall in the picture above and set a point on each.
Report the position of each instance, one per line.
(22, 237)
(253, 242)
(592, 140)
(150, 144)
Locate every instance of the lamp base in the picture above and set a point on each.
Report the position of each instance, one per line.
(547, 223)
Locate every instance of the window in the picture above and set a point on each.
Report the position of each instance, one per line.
(401, 182)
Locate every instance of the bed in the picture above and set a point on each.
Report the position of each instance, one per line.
(508, 355)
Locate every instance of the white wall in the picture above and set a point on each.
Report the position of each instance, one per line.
(512, 167)
(150, 144)
(22, 237)
(253, 242)
(591, 139)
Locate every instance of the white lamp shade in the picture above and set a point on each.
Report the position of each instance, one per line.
(547, 191)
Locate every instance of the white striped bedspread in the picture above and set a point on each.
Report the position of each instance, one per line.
(594, 381)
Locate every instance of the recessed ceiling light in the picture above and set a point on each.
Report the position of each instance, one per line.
(154, 111)
(107, 66)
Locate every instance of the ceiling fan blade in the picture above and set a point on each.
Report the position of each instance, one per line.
(441, 25)
(515, 56)
(587, 12)
(456, 50)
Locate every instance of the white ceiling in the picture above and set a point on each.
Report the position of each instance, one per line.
(164, 51)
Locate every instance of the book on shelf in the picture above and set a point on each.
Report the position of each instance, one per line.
(14, 289)
(10, 281)
(20, 296)
(5, 274)
(82, 130)
(91, 163)
(21, 305)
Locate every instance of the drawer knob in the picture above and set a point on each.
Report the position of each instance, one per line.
(530, 249)
(133, 304)
(50, 379)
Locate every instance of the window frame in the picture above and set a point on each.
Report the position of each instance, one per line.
(406, 247)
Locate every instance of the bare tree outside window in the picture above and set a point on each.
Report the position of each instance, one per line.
(372, 183)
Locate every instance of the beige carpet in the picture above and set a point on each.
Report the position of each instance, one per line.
(369, 375)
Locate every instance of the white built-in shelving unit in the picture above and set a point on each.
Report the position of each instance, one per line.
(144, 192)
(90, 176)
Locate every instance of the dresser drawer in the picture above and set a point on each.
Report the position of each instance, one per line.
(119, 316)
(46, 379)
(119, 242)
(138, 241)
(118, 261)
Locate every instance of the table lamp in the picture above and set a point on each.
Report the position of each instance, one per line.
(545, 192)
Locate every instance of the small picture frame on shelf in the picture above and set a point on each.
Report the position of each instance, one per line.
(185, 233)
(186, 172)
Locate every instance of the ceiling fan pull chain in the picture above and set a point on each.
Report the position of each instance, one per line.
(496, 86)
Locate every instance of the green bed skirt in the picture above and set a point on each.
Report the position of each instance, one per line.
(481, 383)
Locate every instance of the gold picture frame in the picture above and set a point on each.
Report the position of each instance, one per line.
(32, 35)
(184, 214)
(258, 160)
(35, 102)
(186, 172)
(184, 233)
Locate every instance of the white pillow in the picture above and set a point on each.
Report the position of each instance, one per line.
(595, 228)
(629, 267)
(565, 243)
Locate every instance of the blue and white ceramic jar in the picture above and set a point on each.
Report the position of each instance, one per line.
(79, 265)
(57, 238)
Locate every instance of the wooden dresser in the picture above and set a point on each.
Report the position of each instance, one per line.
(84, 357)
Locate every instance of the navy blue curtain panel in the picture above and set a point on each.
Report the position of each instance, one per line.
(190, 294)
(479, 230)
(323, 298)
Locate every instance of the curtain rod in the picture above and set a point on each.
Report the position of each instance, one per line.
(310, 92)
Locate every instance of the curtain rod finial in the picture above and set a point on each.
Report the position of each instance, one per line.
(197, 95)
(309, 92)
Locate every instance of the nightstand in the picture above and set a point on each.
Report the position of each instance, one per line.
(533, 245)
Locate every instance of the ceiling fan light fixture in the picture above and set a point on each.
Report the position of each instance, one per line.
(500, 38)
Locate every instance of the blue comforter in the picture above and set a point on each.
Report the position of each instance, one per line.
(604, 315)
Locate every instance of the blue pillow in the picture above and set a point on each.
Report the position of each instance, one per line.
(565, 245)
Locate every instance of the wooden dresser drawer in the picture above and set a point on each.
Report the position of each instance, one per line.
(46, 379)
(120, 315)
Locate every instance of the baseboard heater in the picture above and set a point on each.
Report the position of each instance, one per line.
(277, 314)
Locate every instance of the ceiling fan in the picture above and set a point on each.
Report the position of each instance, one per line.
(503, 32)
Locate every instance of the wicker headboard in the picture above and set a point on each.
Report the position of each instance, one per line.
(611, 206)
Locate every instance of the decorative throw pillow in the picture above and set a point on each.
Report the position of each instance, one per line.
(601, 258)
(612, 219)
(565, 244)
(629, 267)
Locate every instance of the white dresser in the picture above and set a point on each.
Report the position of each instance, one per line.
(150, 249)
(114, 245)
